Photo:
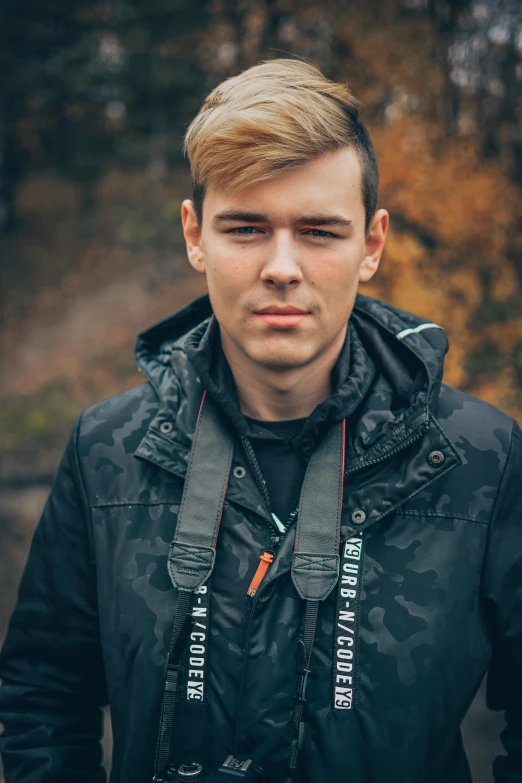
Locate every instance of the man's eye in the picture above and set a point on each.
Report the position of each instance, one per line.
(319, 234)
(244, 231)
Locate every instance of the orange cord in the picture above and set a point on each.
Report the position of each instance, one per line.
(264, 561)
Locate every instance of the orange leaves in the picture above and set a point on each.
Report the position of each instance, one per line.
(440, 184)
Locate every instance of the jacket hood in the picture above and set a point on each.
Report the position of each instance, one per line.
(385, 382)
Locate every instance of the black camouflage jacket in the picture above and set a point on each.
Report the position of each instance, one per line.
(432, 539)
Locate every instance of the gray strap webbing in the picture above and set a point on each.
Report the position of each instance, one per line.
(304, 654)
(315, 564)
(183, 624)
(192, 552)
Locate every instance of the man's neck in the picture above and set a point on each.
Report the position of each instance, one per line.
(270, 394)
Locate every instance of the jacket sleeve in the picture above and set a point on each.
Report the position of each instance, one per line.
(51, 664)
(502, 595)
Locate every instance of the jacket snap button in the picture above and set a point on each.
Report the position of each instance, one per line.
(166, 427)
(358, 516)
(436, 458)
(239, 472)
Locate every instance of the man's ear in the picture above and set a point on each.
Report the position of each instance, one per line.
(374, 245)
(192, 234)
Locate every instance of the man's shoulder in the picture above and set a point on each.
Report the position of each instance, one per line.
(120, 415)
(118, 438)
(482, 436)
(457, 407)
(481, 433)
(108, 435)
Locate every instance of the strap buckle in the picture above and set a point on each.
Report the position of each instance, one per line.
(302, 682)
(173, 660)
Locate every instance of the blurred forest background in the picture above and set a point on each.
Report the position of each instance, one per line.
(94, 100)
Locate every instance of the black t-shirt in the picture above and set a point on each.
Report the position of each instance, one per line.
(282, 467)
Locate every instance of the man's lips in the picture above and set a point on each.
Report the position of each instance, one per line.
(282, 317)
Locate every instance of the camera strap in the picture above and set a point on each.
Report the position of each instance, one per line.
(193, 549)
(315, 562)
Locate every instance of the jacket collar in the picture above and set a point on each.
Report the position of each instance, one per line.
(352, 376)
(386, 384)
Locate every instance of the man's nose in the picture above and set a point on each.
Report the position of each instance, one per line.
(282, 265)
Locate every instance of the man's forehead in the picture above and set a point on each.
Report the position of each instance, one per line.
(327, 185)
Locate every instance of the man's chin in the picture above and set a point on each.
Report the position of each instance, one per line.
(282, 360)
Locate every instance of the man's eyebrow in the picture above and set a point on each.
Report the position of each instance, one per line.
(240, 216)
(323, 220)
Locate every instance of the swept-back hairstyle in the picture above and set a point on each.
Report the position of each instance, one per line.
(270, 119)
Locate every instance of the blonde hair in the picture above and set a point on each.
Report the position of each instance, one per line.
(269, 119)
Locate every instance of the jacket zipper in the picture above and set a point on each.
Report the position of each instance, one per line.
(252, 600)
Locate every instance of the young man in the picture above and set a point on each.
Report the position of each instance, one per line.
(366, 680)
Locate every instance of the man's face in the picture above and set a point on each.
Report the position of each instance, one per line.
(283, 259)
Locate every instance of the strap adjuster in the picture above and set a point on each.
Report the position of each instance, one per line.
(301, 685)
(173, 660)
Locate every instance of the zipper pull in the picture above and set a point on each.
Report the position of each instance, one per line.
(264, 561)
(279, 525)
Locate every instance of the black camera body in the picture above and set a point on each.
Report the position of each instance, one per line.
(231, 770)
